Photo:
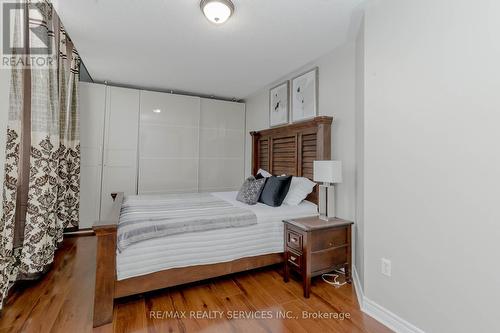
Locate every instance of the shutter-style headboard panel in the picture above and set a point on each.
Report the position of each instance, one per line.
(291, 149)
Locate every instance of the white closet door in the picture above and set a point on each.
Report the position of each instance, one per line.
(92, 110)
(120, 148)
(168, 144)
(222, 145)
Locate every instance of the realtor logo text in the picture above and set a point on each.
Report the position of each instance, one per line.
(164, 315)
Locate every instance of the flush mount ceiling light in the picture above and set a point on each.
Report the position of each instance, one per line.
(217, 11)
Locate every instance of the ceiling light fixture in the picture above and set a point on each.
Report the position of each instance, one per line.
(217, 11)
(157, 110)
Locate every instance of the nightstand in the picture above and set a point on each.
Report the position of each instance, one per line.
(314, 247)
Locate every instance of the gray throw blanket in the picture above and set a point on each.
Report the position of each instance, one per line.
(146, 217)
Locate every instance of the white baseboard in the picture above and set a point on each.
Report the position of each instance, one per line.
(379, 313)
(388, 318)
(357, 286)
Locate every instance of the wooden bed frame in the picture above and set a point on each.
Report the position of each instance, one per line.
(289, 149)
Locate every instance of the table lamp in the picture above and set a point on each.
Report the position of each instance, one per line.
(327, 172)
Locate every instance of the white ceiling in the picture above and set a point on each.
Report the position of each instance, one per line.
(168, 44)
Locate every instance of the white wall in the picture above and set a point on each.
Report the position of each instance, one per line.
(432, 161)
(336, 98)
(359, 152)
(4, 112)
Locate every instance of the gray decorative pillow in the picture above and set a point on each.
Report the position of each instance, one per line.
(250, 190)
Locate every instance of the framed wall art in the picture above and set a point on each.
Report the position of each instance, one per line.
(305, 96)
(279, 104)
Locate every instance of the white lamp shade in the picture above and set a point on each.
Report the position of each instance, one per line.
(327, 171)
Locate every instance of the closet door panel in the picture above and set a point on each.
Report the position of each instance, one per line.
(169, 143)
(222, 114)
(121, 127)
(222, 145)
(175, 110)
(218, 175)
(169, 176)
(90, 156)
(120, 153)
(90, 189)
(157, 141)
(121, 158)
(92, 98)
(116, 179)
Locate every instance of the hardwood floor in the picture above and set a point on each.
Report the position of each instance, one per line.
(62, 302)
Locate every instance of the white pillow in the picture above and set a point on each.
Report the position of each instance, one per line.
(264, 173)
(300, 187)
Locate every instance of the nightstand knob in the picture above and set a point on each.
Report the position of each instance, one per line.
(331, 243)
(292, 258)
(294, 239)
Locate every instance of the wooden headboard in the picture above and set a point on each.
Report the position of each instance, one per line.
(291, 149)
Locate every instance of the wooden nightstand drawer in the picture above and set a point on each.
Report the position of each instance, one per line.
(325, 239)
(294, 258)
(294, 240)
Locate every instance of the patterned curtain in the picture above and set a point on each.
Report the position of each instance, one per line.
(68, 198)
(42, 171)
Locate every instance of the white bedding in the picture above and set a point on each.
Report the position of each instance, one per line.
(209, 247)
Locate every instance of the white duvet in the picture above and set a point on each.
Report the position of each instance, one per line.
(209, 247)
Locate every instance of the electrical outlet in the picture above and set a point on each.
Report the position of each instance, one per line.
(385, 267)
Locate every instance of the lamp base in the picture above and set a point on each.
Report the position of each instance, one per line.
(324, 217)
(326, 202)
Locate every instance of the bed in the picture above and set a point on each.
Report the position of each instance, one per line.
(213, 246)
(187, 257)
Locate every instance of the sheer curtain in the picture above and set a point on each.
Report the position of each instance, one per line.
(42, 169)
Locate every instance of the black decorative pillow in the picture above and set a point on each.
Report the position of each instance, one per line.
(250, 190)
(275, 190)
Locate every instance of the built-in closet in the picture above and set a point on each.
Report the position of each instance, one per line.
(144, 142)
